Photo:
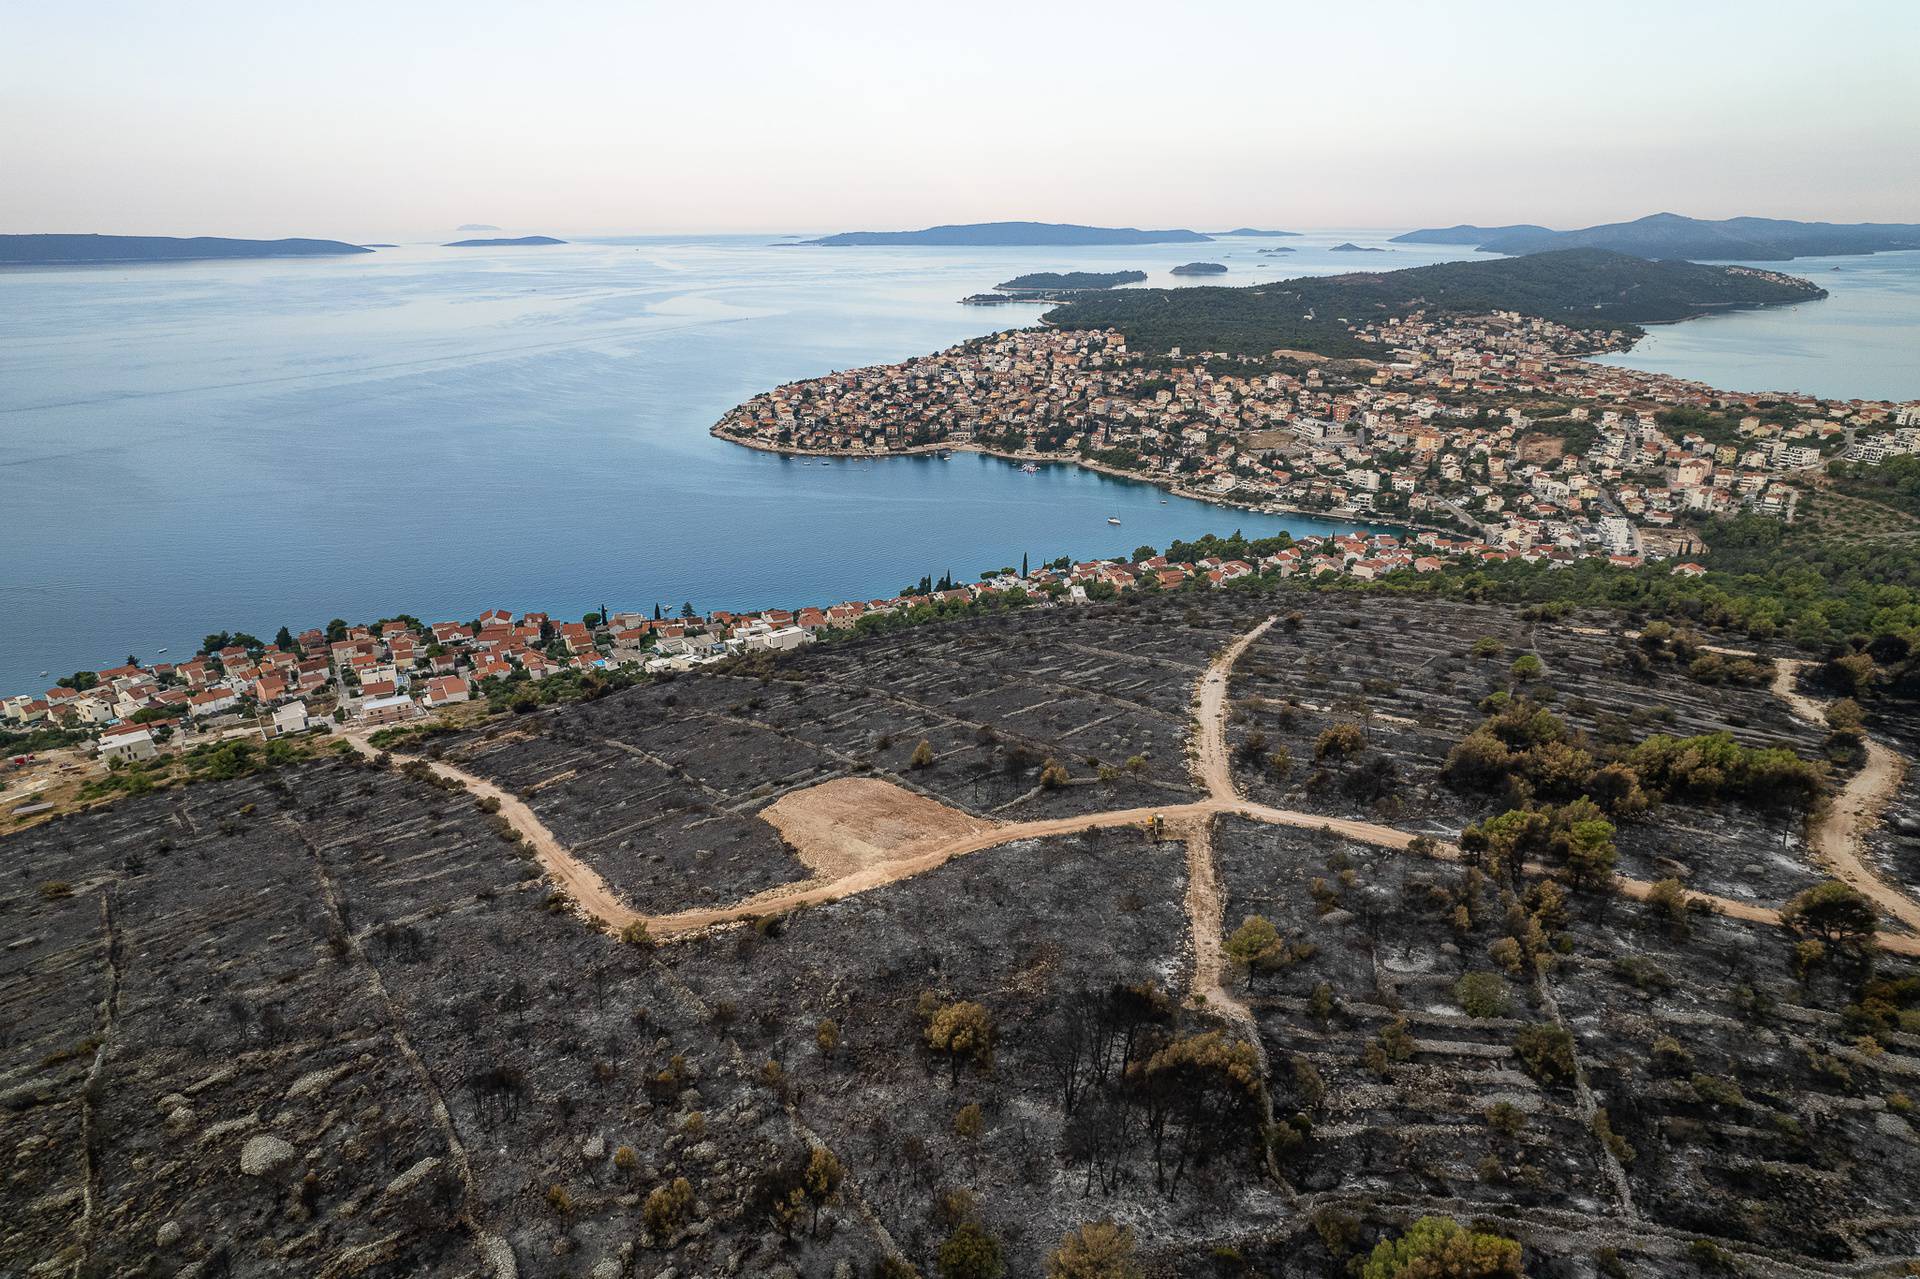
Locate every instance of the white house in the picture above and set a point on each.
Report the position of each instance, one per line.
(387, 710)
(780, 640)
(213, 701)
(128, 741)
(290, 718)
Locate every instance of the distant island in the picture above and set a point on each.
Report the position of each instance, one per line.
(1002, 234)
(1200, 268)
(1247, 230)
(1581, 288)
(482, 244)
(1351, 247)
(1670, 235)
(1466, 233)
(1056, 281)
(68, 250)
(477, 226)
(1281, 248)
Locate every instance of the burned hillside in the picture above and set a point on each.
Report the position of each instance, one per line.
(342, 1017)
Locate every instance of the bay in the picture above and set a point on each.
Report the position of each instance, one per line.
(241, 445)
(1862, 341)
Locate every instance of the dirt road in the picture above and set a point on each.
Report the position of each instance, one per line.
(1212, 765)
(1838, 836)
(920, 838)
(579, 880)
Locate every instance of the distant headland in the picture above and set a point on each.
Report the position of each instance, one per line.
(69, 250)
(1002, 234)
(1054, 281)
(1247, 230)
(1670, 235)
(511, 240)
(1581, 288)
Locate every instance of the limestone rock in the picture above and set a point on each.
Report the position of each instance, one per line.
(168, 1235)
(263, 1156)
(413, 1176)
(497, 1253)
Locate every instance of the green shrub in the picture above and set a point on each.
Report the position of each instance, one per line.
(1441, 1248)
(1546, 1051)
(1483, 994)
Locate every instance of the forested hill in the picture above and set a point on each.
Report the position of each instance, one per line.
(1043, 281)
(1588, 288)
(60, 250)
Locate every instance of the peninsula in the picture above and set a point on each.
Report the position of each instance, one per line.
(1582, 288)
(1008, 234)
(1452, 397)
(502, 243)
(1669, 235)
(72, 250)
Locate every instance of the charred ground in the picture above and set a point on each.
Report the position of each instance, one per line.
(332, 1019)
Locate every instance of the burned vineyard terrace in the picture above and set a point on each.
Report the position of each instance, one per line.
(1148, 912)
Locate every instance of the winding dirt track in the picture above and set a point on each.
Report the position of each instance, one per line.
(1836, 839)
(579, 880)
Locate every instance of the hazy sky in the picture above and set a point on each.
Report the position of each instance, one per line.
(401, 120)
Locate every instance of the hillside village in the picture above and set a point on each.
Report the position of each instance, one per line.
(1491, 425)
(401, 670)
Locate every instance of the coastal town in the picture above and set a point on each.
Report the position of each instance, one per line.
(1494, 427)
(400, 671)
(1483, 440)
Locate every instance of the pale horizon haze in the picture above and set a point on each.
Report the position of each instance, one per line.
(367, 122)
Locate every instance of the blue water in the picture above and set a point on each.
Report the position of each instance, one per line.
(1862, 341)
(197, 447)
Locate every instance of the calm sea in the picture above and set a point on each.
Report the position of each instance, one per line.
(1861, 341)
(439, 431)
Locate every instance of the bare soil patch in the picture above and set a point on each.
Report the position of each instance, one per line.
(1541, 448)
(850, 824)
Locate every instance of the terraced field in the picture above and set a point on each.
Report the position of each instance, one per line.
(338, 1019)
